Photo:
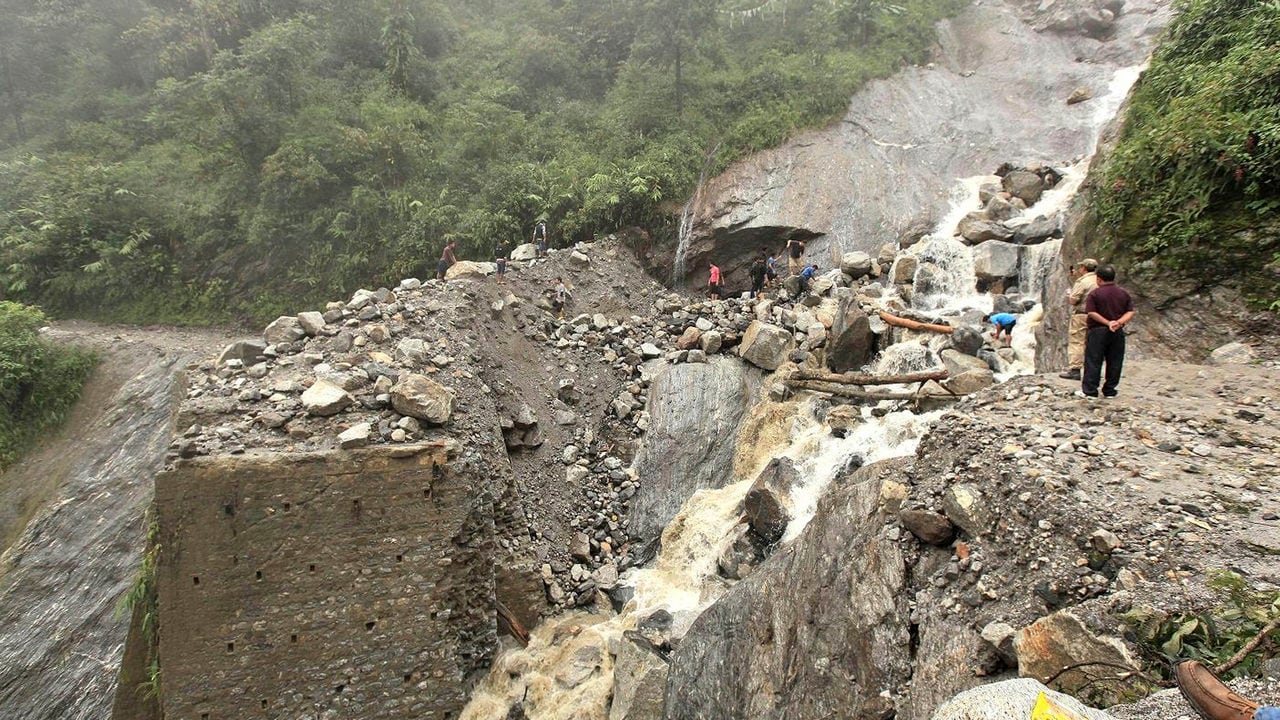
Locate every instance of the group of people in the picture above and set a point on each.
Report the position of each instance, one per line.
(501, 253)
(764, 270)
(1100, 310)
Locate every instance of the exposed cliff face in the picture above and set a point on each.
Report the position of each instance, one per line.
(996, 92)
(62, 580)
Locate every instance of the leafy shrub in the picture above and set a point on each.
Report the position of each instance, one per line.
(39, 381)
(1194, 183)
(1212, 635)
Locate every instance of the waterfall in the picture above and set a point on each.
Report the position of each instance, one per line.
(1035, 268)
(685, 232)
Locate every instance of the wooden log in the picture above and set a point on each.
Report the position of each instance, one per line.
(863, 379)
(915, 324)
(845, 391)
(508, 621)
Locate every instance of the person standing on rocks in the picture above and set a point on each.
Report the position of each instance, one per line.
(540, 238)
(806, 277)
(561, 298)
(1087, 281)
(447, 259)
(1108, 309)
(758, 270)
(770, 267)
(714, 285)
(501, 253)
(795, 250)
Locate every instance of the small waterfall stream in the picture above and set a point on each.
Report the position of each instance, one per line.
(685, 232)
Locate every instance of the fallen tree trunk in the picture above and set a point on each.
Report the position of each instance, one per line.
(508, 621)
(915, 324)
(845, 391)
(863, 379)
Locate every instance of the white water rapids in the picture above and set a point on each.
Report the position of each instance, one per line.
(566, 671)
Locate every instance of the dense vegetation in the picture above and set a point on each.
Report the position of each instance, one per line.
(1194, 185)
(39, 381)
(197, 160)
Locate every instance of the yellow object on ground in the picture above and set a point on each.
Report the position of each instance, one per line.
(1047, 709)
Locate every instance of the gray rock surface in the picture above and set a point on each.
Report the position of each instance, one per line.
(816, 632)
(852, 343)
(693, 408)
(765, 345)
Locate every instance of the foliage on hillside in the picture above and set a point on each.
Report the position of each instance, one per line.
(1194, 184)
(192, 160)
(39, 381)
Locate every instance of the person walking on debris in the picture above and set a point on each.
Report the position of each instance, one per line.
(758, 270)
(447, 259)
(806, 277)
(1087, 281)
(1002, 321)
(501, 253)
(795, 250)
(540, 238)
(770, 267)
(1108, 309)
(561, 298)
(714, 285)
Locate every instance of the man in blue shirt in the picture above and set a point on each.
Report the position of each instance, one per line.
(806, 276)
(1002, 321)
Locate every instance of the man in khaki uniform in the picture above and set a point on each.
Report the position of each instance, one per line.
(1087, 281)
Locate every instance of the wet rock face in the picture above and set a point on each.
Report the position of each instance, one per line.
(889, 137)
(829, 617)
(61, 635)
(693, 409)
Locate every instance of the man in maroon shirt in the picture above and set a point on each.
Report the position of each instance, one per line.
(1108, 308)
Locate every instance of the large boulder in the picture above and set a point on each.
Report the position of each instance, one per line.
(996, 260)
(852, 343)
(1023, 184)
(694, 412)
(855, 264)
(324, 398)
(311, 322)
(967, 340)
(957, 362)
(833, 606)
(248, 352)
(525, 252)
(1035, 231)
(904, 270)
(971, 381)
(284, 329)
(767, 516)
(639, 681)
(1236, 353)
(765, 345)
(418, 396)
(1010, 700)
(1061, 640)
(977, 228)
(466, 269)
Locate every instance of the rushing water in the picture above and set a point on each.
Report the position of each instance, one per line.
(566, 671)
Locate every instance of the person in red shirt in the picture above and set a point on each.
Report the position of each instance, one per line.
(1108, 309)
(713, 285)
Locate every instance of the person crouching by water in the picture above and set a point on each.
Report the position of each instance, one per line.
(714, 284)
(1002, 321)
